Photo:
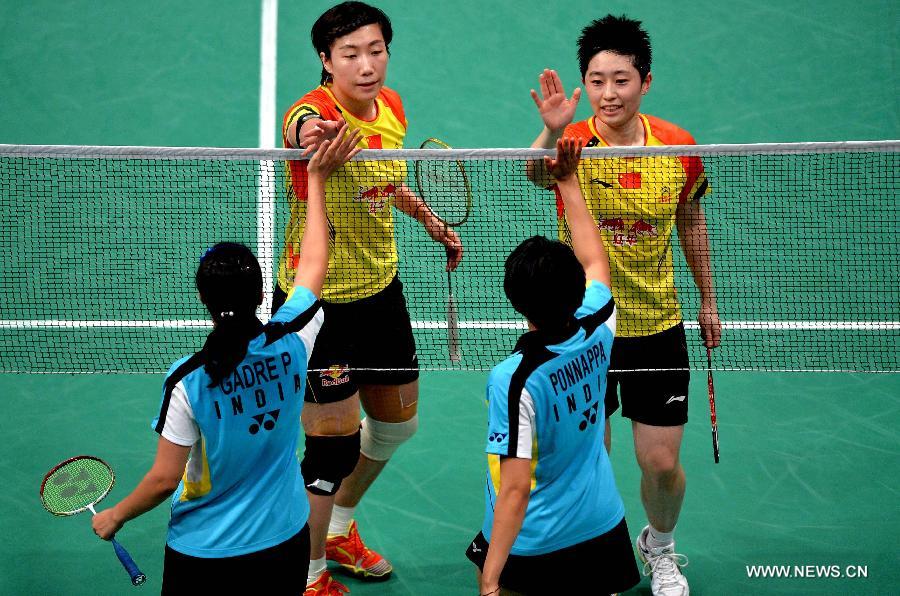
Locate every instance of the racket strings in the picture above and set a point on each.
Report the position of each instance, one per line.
(75, 485)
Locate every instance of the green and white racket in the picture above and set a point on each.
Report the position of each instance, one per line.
(444, 186)
(78, 484)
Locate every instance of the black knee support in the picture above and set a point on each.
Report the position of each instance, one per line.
(327, 460)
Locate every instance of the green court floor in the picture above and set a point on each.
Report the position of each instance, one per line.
(807, 477)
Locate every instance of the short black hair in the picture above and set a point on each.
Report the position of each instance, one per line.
(344, 18)
(619, 35)
(544, 282)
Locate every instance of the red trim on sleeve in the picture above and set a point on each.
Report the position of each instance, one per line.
(392, 100)
(670, 134)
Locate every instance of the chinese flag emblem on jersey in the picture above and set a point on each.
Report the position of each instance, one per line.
(630, 179)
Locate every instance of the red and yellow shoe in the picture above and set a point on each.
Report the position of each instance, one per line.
(326, 586)
(349, 552)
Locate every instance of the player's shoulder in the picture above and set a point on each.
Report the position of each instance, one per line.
(579, 130)
(319, 99)
(390, 95)
(596, 295)
(502, 373)
(668, 133)
(392, 99)
(182, 368)
(178, 364)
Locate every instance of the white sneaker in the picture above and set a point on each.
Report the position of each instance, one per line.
(664, 564)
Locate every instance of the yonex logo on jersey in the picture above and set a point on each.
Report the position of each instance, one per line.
(262, 422)
(675, 398)
(496, 437)
(590, 416)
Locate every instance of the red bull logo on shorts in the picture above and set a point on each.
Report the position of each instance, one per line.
(336, 374)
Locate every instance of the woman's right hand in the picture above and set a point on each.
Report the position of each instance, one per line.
(332, 154)
(556, 111)
(319, 132)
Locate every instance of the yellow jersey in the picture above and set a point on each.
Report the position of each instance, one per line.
(634, 200)
(363, 253)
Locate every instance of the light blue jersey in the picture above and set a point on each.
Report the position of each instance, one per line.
(242, 490)
(545, 404)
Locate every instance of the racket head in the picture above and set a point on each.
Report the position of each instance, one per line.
(444, 186)
(76, 484)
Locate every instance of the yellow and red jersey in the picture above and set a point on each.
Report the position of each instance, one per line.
(633, 200)
(359, 196)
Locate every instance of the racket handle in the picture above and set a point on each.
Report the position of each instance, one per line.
(137, 578)
(712, 405)
(715, 437)
(452, 329)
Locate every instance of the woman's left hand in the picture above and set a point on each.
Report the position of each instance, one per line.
(106, 524)
(441, 232)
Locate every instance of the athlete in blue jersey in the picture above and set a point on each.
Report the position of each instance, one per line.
(228, 421)
(554, 521)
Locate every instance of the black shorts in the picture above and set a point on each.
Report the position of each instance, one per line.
(657, 398)
(601, 565)
(371, 333)
(280, 569)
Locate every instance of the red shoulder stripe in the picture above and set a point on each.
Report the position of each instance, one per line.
(392, 99)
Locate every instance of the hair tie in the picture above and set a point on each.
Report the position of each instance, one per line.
(206, 253)
(226, 314)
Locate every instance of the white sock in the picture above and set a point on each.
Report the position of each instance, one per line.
(316, 569)
(656, 539)
(340, 520)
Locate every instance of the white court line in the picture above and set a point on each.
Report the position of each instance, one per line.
(205, 324)
(265, 200)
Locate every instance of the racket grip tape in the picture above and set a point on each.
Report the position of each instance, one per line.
(137, 578)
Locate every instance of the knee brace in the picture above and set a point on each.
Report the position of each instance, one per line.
(327, 460)
(379, 440)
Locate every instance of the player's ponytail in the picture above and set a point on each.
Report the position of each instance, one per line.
(229, 280)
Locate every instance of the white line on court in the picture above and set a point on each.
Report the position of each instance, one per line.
(265, 201)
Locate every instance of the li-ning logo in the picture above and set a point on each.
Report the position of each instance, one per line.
(262, 422)
(496, 437)
(675, 398)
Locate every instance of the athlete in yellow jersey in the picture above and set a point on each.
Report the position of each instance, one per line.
(367, 327)
(636, 203)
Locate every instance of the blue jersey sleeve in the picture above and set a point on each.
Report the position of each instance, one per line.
(298, 301)
(163, 402)
(498, 418)
(596, 296)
